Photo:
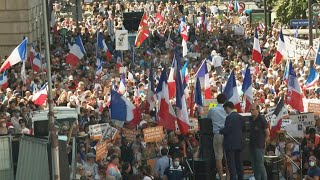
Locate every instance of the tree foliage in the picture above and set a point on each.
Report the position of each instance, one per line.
(291, 9)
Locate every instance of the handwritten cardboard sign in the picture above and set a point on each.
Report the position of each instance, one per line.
(101, 150)
(314, 107)
(102, 131)
(153, 134)
(97, 129)
(110, 134)
(130, 134)
(307, 119)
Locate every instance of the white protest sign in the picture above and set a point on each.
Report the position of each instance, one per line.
(307, 119)
(270, 111)
(122, 42)
(239, 30)
(109, 134)
(284, 123)
(97, 129)
(298, 47)
(295, 130)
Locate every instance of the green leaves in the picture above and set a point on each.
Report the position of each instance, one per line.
(291, 9)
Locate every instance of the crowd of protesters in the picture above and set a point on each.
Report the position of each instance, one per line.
(79, 87)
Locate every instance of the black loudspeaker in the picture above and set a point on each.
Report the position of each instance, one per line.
(245, 154)
(206, 146)
(40, 128)
(203, 169)
(131, 20)
(205, 125)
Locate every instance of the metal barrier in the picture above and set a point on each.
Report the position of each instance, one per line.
(300, 151)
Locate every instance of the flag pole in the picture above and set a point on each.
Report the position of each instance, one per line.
(51, 125)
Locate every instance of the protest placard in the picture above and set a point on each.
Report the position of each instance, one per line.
(130, 134)
(96, 131)
(307, 119)
(295, 130)
(110, 134)
(153, 134)
(314, 107)
(101, 150)
(284, 123)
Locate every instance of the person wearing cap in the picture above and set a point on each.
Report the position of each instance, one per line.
(90, 164)
(259, 135)
(313, 170)
(112, 169)
(232, 142)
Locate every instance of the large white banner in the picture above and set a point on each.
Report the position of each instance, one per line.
(122, 42)
(298, 47)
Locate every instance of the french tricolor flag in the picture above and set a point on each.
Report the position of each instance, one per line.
(247, 89)
(171, 79)
(32, 53)
(99, 59)
(295, 95)
(231, 92)
(181, 104)
(198, 97)
(203, 73)
(76, 52)
(17, 55)
(39, 98)
(185, 75)
(99, 70)
(103, 46)
(150, 100)
(166, 113)
(122, 86)
(36, 63)
(281, 49)
(286, 72)
(313, 78)
(122, 109)
(256, 51)
(4, 80)
(184, 35)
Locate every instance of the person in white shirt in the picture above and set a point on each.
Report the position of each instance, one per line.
(217, 62)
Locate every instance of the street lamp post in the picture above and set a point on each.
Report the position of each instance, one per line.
(265, 20)
(310, 22)
(51, 125)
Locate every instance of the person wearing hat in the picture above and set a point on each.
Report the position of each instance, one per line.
(112, 169)
(90, 164)
(314, 170)
(3, 127)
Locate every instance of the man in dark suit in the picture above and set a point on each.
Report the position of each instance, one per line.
(232, 131)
